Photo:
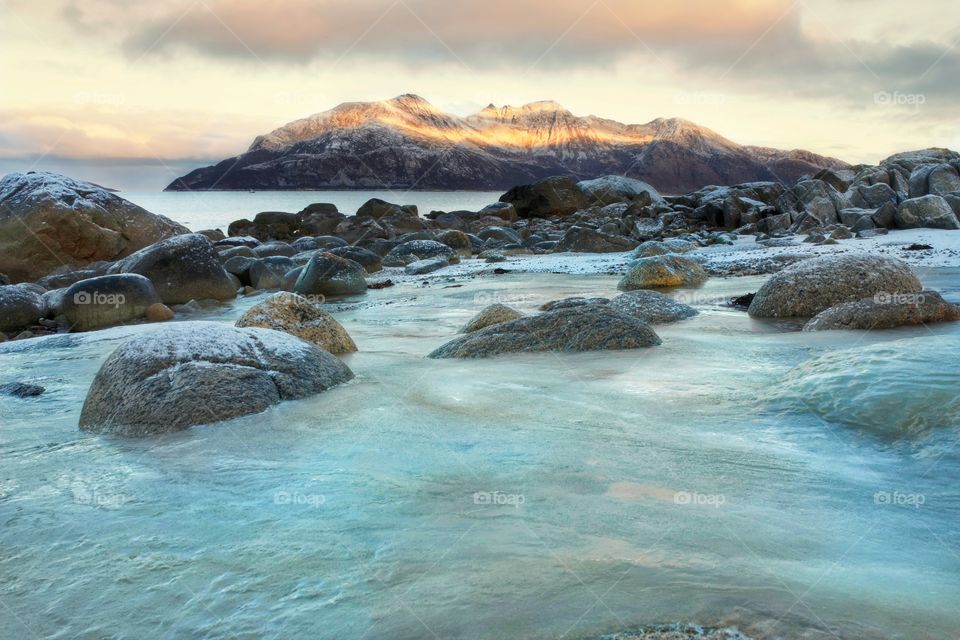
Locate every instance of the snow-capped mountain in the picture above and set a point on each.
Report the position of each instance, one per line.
(407, 143)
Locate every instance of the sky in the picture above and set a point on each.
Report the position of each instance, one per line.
(133, 93)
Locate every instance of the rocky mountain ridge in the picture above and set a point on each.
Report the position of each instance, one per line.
(408, 143)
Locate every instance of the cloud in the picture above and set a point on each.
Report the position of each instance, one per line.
(475, 32)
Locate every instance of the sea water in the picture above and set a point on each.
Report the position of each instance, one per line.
(738, 474)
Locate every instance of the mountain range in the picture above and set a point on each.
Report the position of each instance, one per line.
(408, 143)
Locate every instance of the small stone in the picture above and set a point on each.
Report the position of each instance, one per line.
(159, 312)
(21, 389)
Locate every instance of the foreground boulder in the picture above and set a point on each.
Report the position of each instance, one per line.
(652, 307)
(663, 271)
(182, 269)
(489, 316)
(330, 275)
(194, 373)
(21, 305)
(298, 316)
(107, 300)
(886, 312)
(585, 328)
(808, 287)
(48, 221)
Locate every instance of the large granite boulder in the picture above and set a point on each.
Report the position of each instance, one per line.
(935, 179)
(298, 316)
(107, 300)
(664, 271)
(182, 269)
(267, 226)
(489, 316)
(652, 307)
(583, 328)
(586, 240)
(377, 208)
(806, 288)
(330, 275)
(21, 305)
(931, 211)
(610, 189)
(192, 373)
(556, 196)
(886, 311)
(820, 204)
(48, 221)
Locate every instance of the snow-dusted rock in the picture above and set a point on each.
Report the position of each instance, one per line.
(107, 300)
(182, 268)
(930, 211)
(298, 316)
(886, 312)
(661, 272)
(808, 287)
(49, 220)
(610, 189)
(489, 316)
(191, 373)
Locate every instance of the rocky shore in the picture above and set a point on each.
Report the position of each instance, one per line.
(79, 258)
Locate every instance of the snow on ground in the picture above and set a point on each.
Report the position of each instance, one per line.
(742, 255)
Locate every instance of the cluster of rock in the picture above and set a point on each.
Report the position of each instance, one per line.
(850, 292)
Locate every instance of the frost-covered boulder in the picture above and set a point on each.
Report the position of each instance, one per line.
(886, 311)
(587, 328)
(610, 189)
(652, 307)
(301, 317)
(929, 211)
(49, 220)
(806, 288)
(423, 267)
(192, 373)
(489, 316)
(21, 305)
(665, 271)
(182, 269)
(413, 250)
(330, 275)
(107, 300)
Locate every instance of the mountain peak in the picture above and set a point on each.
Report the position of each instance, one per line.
(509, 111)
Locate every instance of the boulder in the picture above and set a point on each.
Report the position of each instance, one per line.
(330, 275)
(301, 317)
(587, 328)
(663, 247)
(370, 261)
(586, 240)
(934, 179)
(886, 311)
(502, 210)
(274, 248)
(48, 221)
(269, 272)
(806, 288)
(191, 373)
(491, 315)
(107, 300)
(556, 196)
(377, 208)
(864, 196)
(929, 211)
(159, 313)
(421, 267)
(21, 305)
(456, 240)
(182, 268)
(267, 225)
(652, 307)
(820, 202)
(566, 303)
(407, 252)
(663, 271)
(611, 189)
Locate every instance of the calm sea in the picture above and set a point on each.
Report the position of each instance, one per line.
(217, 209)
